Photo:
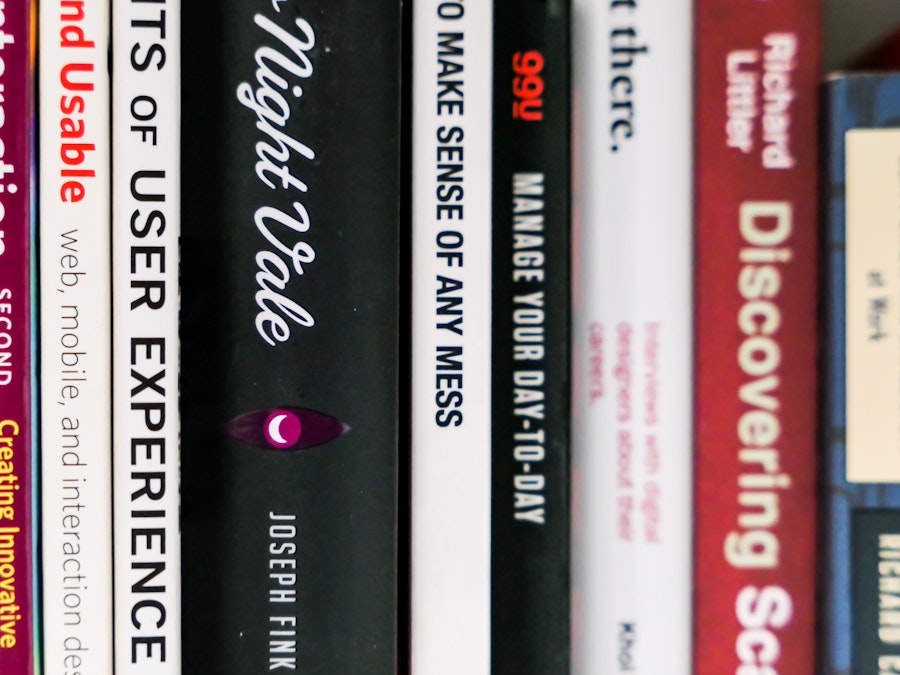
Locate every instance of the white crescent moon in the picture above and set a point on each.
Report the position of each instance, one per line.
(275, 429)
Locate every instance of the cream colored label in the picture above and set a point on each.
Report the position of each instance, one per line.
(873, 305)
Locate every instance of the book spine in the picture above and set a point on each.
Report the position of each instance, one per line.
(75, 336)
(530, 366)
(451, 344)
(145, 229)
(756, 347)
(18, 484)
(289, 343)
(632, 343)
(860, 590)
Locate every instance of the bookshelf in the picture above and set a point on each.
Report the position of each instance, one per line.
(852, 26)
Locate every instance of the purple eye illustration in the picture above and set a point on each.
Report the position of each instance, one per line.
(285, 428)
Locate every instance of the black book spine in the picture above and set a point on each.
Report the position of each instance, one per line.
(289, 390)
(530, 345)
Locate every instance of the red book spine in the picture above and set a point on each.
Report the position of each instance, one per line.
(758, 67)
(17, 614)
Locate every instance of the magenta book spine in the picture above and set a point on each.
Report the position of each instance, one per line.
(17, 540)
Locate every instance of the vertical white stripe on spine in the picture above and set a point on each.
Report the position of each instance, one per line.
(451, 466)
(632, 448)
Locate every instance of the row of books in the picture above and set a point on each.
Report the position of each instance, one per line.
(323, 349)
(106, 290)
(172, 370)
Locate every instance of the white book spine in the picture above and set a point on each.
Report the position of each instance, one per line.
(75, 337)
(632, 337)
(146, 225)
(451, 334)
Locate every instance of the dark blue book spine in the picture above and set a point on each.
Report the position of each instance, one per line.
(859, 517)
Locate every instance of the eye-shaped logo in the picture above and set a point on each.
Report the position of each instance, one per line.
(285, 428)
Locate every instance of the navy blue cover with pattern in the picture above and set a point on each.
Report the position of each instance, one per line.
(851, 101)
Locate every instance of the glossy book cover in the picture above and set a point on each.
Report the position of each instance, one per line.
(289, 330)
